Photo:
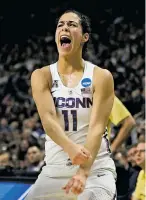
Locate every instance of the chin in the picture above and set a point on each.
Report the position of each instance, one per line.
(65, 54)
(139, 163)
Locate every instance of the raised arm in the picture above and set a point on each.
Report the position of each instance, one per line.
(40, 83)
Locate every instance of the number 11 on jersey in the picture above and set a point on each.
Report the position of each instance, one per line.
(66, 119)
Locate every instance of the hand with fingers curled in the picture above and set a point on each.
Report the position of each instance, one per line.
(78, 154)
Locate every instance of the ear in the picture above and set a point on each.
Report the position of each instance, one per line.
(85, 37)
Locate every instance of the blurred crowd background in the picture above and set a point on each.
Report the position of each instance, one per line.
(27, 43)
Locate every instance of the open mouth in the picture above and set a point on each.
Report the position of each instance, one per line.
(65, 41)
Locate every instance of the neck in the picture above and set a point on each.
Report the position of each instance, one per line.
(68, 65)
(35, 163)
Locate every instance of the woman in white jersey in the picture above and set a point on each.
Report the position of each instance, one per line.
(74, 99)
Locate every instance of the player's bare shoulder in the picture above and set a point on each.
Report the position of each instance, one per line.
(102, 77)
(41, 77)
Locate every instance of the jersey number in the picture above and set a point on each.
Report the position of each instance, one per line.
(66, 120)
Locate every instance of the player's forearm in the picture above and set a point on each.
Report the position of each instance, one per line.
(123, 134)
(121, 137)
(55, 131)
(93, 143)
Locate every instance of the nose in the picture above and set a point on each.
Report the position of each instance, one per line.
(65, 27)
(138, 154)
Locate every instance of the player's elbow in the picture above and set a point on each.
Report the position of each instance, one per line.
(47, 119)
(48, 115)
(130, 122)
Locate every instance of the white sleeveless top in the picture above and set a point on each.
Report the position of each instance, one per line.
(73, 106)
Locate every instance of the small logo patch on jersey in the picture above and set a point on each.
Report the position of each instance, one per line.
(86, 90)
(70, 92)
(86, 82)
(55, 84)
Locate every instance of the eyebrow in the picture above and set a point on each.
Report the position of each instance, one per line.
(70, 21)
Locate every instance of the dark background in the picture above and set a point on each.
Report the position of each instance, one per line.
(21, 19)
(27, 42)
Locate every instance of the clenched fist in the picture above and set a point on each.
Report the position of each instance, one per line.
(78, 154)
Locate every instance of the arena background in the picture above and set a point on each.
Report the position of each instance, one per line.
(27, 43)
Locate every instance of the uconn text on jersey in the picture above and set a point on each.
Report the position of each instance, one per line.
(61, 102)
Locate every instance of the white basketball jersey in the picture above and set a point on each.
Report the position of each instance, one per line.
(73, 106)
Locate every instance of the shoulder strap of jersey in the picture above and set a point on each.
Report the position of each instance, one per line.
(53, 70)
(89, 70)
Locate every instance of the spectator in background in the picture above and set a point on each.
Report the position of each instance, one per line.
(4, 127)
(5, 160)
(121, 157)
(122, 169)
(141, 131)
(35, 159)
(133, 169)
(29, 123)
(141, 137)
(26, 133)
(23, 147)
(126, 159)
(140, 191)
(120, 114)
(14, 126)
(131, 151)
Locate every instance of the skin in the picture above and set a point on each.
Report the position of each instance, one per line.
(33, 155)
(71, 65)
(127, 124)
(5, 159)
(131, 156)
(69, 25)
(140, 155)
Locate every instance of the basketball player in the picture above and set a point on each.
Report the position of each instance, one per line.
(74, 99)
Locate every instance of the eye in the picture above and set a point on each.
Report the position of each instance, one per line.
(74, 25)
(59, 25)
